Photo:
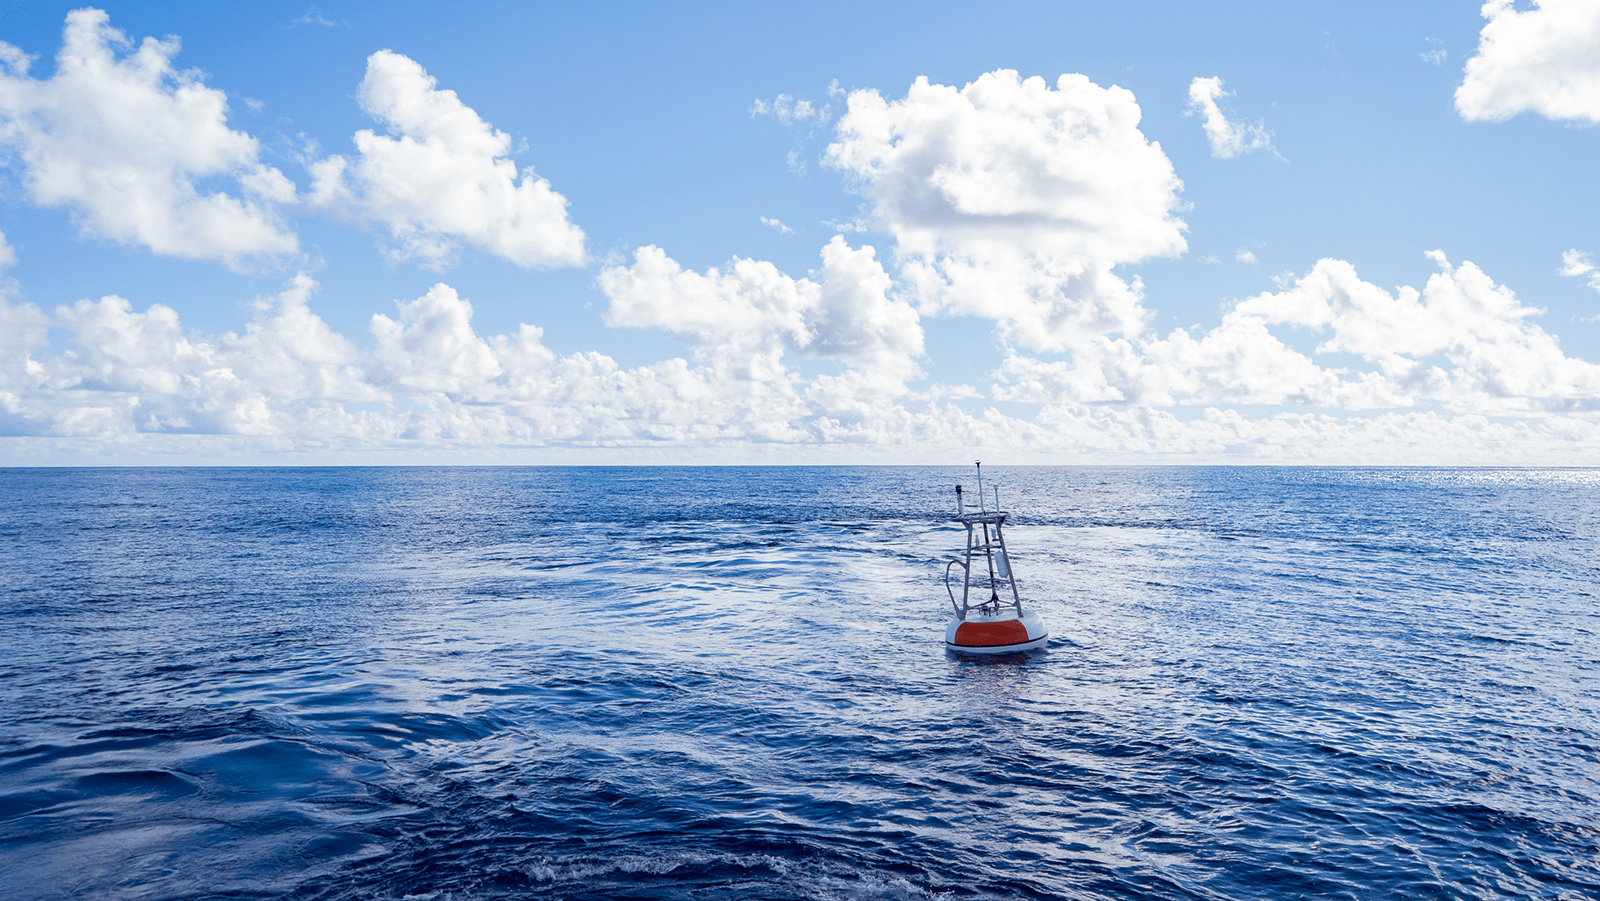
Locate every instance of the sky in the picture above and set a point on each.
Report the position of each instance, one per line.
(615, 233)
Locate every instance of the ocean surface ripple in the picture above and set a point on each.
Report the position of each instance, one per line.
(719, 683)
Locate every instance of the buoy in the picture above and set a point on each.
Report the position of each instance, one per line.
(989, 618)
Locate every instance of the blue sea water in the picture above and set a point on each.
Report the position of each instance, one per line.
(720, 683)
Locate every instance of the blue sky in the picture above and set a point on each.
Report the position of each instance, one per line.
(1209, 242)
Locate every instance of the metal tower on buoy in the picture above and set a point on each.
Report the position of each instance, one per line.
(989, 618)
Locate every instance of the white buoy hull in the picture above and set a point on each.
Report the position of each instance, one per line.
(1003, 632)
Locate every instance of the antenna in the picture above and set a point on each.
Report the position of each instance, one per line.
(981, 506)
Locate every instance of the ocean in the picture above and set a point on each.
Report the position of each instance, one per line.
(730, 683)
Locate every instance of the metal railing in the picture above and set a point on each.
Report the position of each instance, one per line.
(985, 538)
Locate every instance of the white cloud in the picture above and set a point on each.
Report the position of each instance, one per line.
(1575, 263)
(291, 382)
(1462, 342)
(441, 177)
(130, 371)
(1486, 344)
(23, 330)
(789, 111)
(1435, 53)
(743, 320)
(856, 320)
(1014, 201)
(738, 321)
(1228, 139)
(293, 356)
(1544, 60)
(314, 16)
(777, 225)
(803, 116)
(124, 142)
(1244, 256)
(433, 347)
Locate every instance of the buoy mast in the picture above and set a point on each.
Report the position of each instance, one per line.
(985, 536)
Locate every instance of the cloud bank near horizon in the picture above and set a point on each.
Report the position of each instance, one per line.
(1459, 364)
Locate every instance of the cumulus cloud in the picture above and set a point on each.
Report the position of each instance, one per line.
(777, 225)
(290, 381)
(741, 321)
(23, 329)
(434, 379)
(1435, 54)
(1577, 264)
(1228, 139)
(1544, 60)
(1244, 256)
(1013, 200)
(442, 177)
(433, 347)
(1463, 342)
(293, 355)
(129, 371)
(124, 143)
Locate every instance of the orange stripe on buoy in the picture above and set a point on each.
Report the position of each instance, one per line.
(980, 635)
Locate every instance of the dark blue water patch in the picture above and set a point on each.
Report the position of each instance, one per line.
(730, 683)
